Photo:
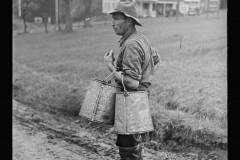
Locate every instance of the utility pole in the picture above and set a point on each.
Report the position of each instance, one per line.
(56, 14)
(19, 8)
(177, 10)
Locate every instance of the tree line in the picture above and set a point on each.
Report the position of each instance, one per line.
(72, 9)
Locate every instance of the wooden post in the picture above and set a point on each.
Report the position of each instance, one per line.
(207, 9)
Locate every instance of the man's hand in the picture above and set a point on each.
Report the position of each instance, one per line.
(109, 59)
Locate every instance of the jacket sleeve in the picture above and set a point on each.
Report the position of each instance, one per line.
(132, 61)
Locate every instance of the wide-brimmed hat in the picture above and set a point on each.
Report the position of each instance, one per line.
(129, 8)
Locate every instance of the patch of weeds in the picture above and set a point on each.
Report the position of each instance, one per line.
(43, 91)
(172, 105)
(72, 102)
(173, 135)
(184, 109)
(166, 95)
(202, 51)
(176, 35)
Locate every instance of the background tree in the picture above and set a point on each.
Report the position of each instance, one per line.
(78, 11)
(87, 4)
(45, 20)
(26, 7)
(44, 14)
(68, 27)
(85, 9)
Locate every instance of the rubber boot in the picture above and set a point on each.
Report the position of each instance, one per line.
(131, 153)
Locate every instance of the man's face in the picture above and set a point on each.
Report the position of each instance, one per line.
(119, 24)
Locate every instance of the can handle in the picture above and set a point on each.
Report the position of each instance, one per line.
(125, 91)
(109, 76)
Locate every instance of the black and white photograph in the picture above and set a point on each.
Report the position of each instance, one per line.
(119, 80)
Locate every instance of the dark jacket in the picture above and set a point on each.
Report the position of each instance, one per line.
(137, 58)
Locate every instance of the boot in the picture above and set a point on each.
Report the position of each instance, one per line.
(131, 153)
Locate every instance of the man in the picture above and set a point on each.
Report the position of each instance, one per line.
(137, 63)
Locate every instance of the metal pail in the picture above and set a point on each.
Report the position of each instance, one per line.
(132, 112)
(99, 102)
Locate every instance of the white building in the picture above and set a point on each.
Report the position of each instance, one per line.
(154, 8)
(164, 7)
(147, 8)
(108, 5)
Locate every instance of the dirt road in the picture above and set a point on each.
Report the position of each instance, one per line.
(48, 135)
(41, 135)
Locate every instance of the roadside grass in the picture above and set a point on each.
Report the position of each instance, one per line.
(44, 91)
(189, 92)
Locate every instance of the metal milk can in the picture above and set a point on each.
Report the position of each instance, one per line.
(99, 102)
(132, 112)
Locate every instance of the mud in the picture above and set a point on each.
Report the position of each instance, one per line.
(40, 134)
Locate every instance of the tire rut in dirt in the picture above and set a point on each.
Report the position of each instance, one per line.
(78, 145)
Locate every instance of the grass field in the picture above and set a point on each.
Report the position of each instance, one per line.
(188, 94)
